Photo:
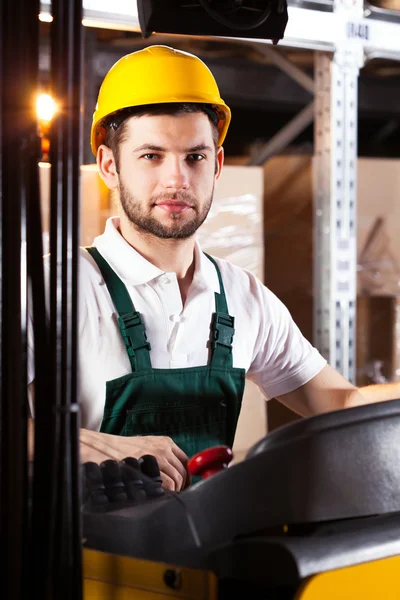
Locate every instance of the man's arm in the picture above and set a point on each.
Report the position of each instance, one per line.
(327, 391)
(378, 392)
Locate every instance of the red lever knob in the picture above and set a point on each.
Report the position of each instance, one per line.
(210, 461)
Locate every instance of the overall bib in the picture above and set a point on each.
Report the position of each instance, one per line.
(197, 407)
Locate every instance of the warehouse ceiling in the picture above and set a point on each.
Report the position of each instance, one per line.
(262, 97)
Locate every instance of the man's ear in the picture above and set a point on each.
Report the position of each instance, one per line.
(107, 167)
(219, 161)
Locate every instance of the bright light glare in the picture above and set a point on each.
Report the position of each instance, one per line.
(45, 107)
(45, 17)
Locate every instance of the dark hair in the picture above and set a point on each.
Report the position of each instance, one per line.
(115, 124)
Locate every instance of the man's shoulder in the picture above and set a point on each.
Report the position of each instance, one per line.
(87, 266)
(233, 271)
(236, 278)
(243, 285)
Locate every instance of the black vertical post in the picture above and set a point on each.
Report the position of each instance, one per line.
(65, 157)
(19, 155)
(56, 515)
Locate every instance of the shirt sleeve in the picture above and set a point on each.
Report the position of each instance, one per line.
(284, 359)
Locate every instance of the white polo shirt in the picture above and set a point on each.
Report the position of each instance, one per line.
(267, 343)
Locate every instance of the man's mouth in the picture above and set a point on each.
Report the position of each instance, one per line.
(173, 206)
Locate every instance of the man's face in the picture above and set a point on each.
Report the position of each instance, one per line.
(167, 171)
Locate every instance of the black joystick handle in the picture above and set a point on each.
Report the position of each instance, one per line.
(112, 478)
(94, 491)
(133, 480)
(149, 467)
(132, 462)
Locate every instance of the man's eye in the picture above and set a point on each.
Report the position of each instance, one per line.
(150, 156)
(195, 157)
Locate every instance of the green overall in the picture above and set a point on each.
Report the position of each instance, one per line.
(197, 407)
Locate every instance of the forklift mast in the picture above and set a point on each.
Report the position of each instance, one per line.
(39, 495)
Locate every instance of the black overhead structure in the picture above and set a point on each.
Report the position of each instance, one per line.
(40, 498)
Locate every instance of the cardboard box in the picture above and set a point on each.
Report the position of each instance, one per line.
(378, 227)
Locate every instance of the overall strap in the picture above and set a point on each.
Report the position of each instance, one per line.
(130, 322)
(222, 327)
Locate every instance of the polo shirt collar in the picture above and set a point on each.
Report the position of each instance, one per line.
(134, 269)
(205, 274)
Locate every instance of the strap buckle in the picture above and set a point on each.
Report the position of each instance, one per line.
(223, 330)
(133, 332)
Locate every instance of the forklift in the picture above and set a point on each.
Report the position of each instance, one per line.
(312, 512)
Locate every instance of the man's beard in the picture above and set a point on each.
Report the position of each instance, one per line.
(148, 224)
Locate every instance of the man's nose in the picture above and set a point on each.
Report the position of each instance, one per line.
(175, 174)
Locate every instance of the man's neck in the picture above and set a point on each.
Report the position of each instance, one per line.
(169, 255)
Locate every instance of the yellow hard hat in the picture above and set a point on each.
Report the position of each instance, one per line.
(154, 75)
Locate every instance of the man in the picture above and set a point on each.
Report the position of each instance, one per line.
(167, 334)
